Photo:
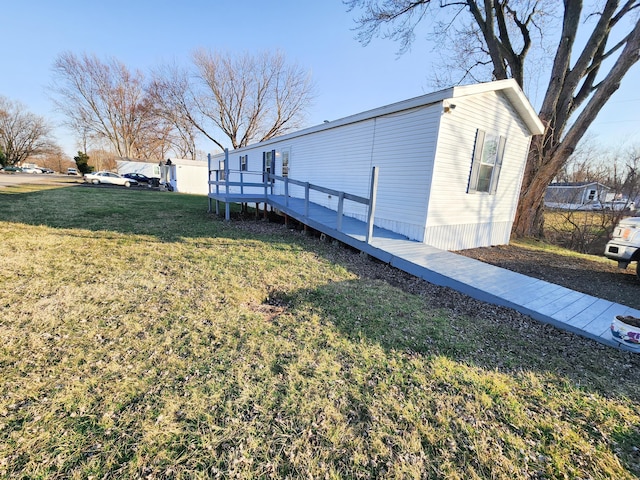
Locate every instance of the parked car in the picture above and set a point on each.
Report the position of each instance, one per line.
(46, 170)
(72, 171)
(31, 170)
(624, 245)
(140, 178)
(109, 178)
(11, 169)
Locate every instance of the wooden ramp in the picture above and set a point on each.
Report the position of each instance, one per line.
(561, 307)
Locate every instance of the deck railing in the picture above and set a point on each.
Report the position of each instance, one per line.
(342, 196)
(222, 181)
(268, 183)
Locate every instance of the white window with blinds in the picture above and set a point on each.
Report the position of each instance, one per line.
(285, 163)
(487, 162)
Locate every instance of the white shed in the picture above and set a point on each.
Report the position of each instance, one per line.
(450, 163)
(187, 176)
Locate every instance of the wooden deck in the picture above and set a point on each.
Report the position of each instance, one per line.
(561, 307)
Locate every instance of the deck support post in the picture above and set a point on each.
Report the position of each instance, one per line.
(306, 200)
(217, 207)
(210, 205)
(227, 211)
(226, 171)
(286, 191)
(340, 209)
(373, 193)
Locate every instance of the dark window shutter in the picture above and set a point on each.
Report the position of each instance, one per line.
(475, 164)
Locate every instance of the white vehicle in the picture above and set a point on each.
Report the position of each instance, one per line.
(108, 178)
(31, 170)
(619, 205)
(72, 171)
(624, 245)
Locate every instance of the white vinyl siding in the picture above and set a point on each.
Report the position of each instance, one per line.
(401, 145)
(457, 219)
(424, 158)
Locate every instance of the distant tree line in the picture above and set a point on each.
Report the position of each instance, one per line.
(22, 134)
(230, 100)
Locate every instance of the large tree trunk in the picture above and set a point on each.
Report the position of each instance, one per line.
(504, 29)
(539, 173)
(550, 151)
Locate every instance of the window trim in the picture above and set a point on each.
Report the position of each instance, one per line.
(286, 160)
(477, 163)
(268, 164)
(223, 174)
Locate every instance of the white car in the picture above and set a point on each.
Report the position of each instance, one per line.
(108, 178)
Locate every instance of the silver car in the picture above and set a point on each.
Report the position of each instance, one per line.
(624, 245)
(108, 178)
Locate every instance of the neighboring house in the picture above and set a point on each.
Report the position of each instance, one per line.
(450, 163)
(577, 195)
(185, 176)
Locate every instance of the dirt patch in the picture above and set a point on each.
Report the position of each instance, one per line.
(593, 277)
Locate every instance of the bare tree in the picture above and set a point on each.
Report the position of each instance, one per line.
(589, 162)
(170, 94)
(102, 160)
(22, 133)
(53, 158)
(236, 99)
(102, 101)
(499, 34)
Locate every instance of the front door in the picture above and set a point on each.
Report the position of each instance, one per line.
(268, 167)
(281, 169)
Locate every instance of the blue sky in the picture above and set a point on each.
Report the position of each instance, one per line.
(317, 34)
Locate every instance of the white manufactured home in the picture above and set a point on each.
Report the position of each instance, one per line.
(449, 164)
(577, 195)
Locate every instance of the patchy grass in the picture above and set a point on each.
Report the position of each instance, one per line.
(143, 338)
(582, 231)
(542, 246)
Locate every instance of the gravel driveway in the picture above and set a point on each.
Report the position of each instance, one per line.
(10, 179)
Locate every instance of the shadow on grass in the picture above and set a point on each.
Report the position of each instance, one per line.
(167, 216)
(412, 325)
(383, 307)
(440, 321)
(370, 307)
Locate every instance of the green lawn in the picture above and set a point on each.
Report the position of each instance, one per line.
(143, 338)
